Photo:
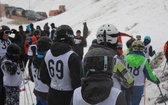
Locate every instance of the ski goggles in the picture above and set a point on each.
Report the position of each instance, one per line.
(138, 46)
(7, 32)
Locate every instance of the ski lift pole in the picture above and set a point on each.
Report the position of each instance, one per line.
(161, 93)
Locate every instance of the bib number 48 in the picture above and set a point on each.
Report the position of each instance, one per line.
(133, 70)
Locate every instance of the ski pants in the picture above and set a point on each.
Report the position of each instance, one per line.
(56, 97)
(12, 95)
(2, 96)
(137, 95)
(2, 89)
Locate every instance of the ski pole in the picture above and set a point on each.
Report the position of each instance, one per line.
(161, 93)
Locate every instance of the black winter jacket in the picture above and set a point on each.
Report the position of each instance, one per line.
(57, 49)
(78, 47)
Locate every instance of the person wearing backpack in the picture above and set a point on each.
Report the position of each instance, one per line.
(139, 67)
(129, 49)
(107, 36)
(97, 85)
(53, 30)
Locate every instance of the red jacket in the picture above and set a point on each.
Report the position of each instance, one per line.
(26, 43)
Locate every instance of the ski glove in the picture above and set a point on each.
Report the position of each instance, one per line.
(161, 99)
(157, 81)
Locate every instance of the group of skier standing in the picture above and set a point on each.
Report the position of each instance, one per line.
(105, 75)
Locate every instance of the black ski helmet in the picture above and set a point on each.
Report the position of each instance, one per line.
(44, 43)
(98, 61)
(64, 33)
(3, 28)
(14, 49)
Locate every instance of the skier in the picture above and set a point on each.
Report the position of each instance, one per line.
(31, 28)
(61, 68)
(40, 89)
(149, 52)
(4, 43)
(4, 39)
(12, 76)
(79, 44)
(22, 33)
(28, 41)
(107, 36)
(129, 49)
(139, 67)
(97, 85)
(41, 31)
(166, 51)
(46, 29)
(32, 49)
(53, 30)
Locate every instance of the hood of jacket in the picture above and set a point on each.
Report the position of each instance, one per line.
(59, 48)
(96, 88)
(135, 59)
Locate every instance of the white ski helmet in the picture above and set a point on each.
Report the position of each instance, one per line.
(107, 33)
